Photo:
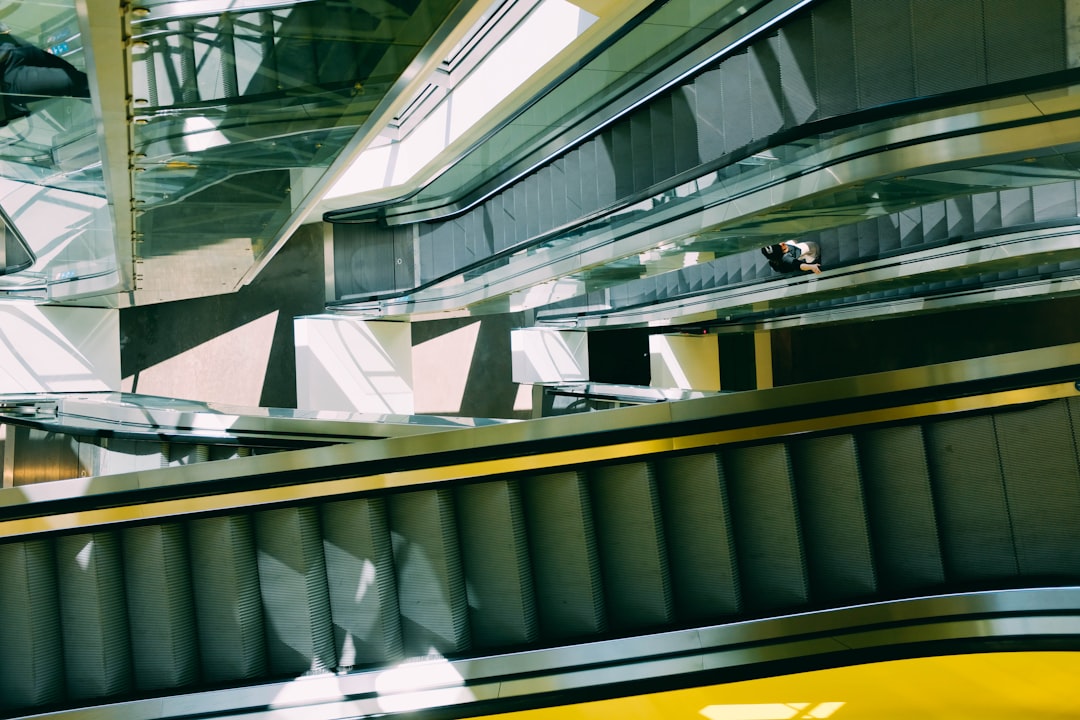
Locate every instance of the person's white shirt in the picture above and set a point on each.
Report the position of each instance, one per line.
(806, 252)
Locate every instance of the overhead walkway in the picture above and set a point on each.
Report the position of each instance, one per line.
(567, 555)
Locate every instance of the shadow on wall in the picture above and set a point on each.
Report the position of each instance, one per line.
(292, 284)
(472, 358)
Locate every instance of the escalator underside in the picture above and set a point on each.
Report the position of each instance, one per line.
(652, 541)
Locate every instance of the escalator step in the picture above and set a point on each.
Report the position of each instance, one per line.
(31, 651)
(565, 559)
(292, 581)
(1038, 450)
(832, 512)
(494, 545)
(97, 654)
(161, 608)
(697, 522)
(363, 587)
(768, 542)
(976, 536)
(633, 552)
(903, 524)
(430, 577)
(225, 575)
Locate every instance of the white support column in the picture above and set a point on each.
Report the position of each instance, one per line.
(353, 365)
(685, 362)
(58, 349)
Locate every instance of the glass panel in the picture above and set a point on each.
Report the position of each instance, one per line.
(50, 162)
(243, 106)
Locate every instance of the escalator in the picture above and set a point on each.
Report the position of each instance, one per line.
(526, 547)
(1016, 229)
(785, 134)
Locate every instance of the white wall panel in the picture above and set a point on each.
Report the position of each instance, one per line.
(58, 349)
(549, 355)
(353, 365)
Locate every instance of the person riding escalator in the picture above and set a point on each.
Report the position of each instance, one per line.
(28, 73)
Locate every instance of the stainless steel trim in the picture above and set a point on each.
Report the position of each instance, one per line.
(351, 468)
(899, 627)
(156, 418)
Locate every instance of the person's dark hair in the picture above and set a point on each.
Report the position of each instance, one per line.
(772, 252)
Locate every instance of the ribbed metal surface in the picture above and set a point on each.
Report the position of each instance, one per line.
(794, 45)
(430, 579)
(41, 456)
(31, 653)
(1023, 38)
(735, 96)
(710, 124)
(765, 519)
(633, 550)
(883, 51)
(363, 589)
(697, 522)
(948, 45)
(833, 518)
(97, 657)
(225, 575)
(569, 593)
(834, 58)
(161, 609)
(902, 520)
(292, 581)
(502, 600)
(976, 531)
(766, 110)
(1042, 485)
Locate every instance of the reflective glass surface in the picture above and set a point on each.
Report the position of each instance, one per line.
(240, 108)
(234, 110)
(51, 186)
